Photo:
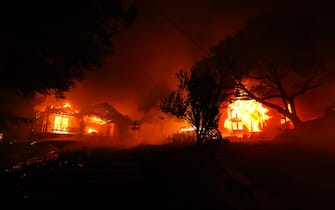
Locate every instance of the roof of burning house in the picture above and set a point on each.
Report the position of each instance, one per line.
(58, 110)
(105, 111)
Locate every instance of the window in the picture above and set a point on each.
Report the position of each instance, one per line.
(61, 124)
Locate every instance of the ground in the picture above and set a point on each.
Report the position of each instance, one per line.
(240, 175)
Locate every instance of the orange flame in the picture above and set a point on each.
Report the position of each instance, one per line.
(186, 129)
(246, 116)
(91, 130)
(61, 124)
(98, 120)
(285, 121)
(95, 120)
(67, 105)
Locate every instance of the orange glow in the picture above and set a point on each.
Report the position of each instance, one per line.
(67, 105)
(285, 121)
(61, 124)
(91, 130)
(186, 129)
(289, 108)
(95, 119)
(245, 117)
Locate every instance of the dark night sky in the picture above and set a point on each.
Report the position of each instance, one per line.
(166, 37)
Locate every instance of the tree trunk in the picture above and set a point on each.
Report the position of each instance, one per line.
(294, 119)
(200, 139)
(219, 133)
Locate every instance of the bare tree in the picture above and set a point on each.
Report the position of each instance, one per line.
(198, 97)
(281, 56)
(278, 88)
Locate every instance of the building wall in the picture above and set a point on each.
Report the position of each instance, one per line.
(57, 123)
(63, 124)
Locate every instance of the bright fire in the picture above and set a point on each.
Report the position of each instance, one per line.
(186, 129)
(91, 130)
(245, 117)
(67, 105)
(61, 124)
(95, 119)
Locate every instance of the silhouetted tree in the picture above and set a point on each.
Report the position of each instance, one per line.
(281, 56)
(198, 97)
(47, 45)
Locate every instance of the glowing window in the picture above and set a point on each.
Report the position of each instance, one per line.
(240, 125)
(61, 123)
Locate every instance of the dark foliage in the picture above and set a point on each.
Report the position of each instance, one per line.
(47, 45)
(282, 55)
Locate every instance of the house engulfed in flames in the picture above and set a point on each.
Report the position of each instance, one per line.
(245, 117)
(100, 120)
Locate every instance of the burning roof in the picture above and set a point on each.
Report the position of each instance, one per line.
(101, 119)
(105, 112)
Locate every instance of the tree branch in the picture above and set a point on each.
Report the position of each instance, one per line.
(306, 87)
(263, 100)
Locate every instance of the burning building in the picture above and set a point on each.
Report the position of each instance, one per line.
(245, 117)
(99, 120)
